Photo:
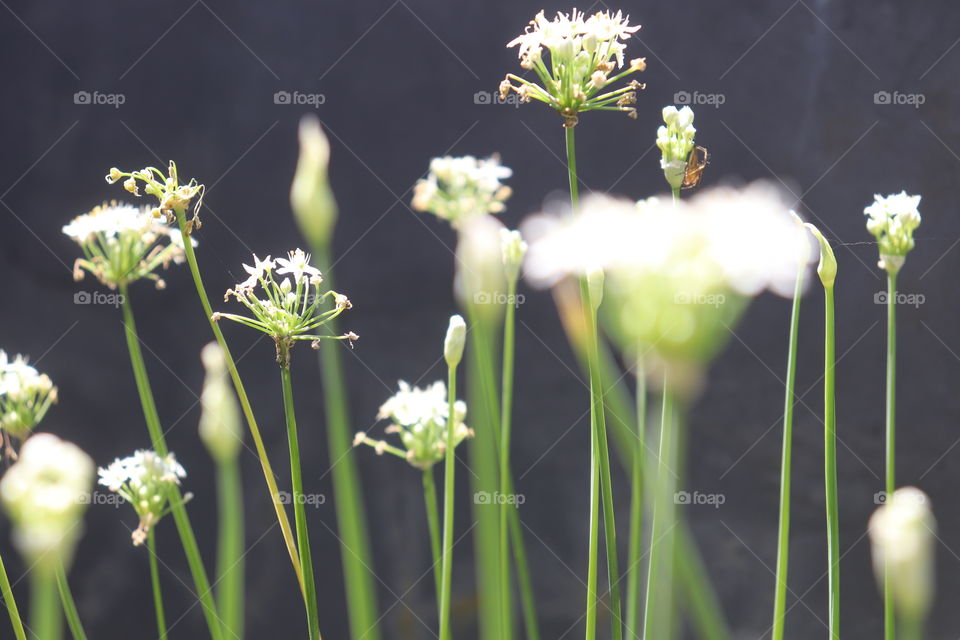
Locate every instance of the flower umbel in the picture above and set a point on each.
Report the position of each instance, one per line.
(144, 480)
(459, 188)
(419, 416)
(675, 141)
(122, 243)
(166, 187)
(290, 311)
(25, 397)
(45, 494)
(892, 221)
(585, 55)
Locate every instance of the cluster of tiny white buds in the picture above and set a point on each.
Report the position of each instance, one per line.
(25, 396)
(892, 221)
(675, 141)
(458, 188)
(144, 480)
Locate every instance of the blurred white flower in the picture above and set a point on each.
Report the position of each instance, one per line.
(144, 480)
(25, 397)
(463, 187)
(892, 221)
(220, 425)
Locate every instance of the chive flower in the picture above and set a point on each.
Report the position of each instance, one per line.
(892, 221)
(165, 187)
(459, 188)
(675, 141)
(25, 397)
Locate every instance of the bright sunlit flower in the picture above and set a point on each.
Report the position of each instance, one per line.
(25, 397)
(144, 480)
(166, 188)
(459, 188)
(289, 311)
(45, 493)
(585, 56)
(892, 221)
(675, 141)
(419, 416)
(122, 244)
(902, 533)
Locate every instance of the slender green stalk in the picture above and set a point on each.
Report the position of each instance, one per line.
(356, 557)
(46, 623)
(527, 603)
(230, 547)
(449, 472)
(69, 606)
(598, 426)
(783, 539)
(830, 461)
(676, 195)
(912, 628)
(299, 506)
(433, 523)
(889, 624)
(506, 410)
(155, 586)
(244, 401)
(594, 540)
(177, 507)
(7, 592)
(698, 596)
(636, 507)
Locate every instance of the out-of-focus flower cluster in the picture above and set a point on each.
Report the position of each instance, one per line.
(25, 397)
(460, 188)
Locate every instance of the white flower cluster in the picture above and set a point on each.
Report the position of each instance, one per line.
(291, 310)
(45, 493)
(144, 480)
(122, 243)
(583, 54)
(25, 396)
(419, 416)
(892, 221)
(462, 187)
(675, 141)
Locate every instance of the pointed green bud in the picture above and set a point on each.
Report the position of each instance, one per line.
(312, 200)
(220, 426)
(827, 269)
(456, 338)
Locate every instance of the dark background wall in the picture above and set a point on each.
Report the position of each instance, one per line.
(399, 78)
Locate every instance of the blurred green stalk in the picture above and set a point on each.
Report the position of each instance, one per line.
(636, 506)
(889, 624)
(433, 524)
(155, 586)
(7, 592)
(449, 474)
(69, 606)
(230, 549)
(46, 623)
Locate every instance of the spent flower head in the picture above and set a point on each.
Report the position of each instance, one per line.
(586, 57)
(45, 493)
(122, 243)
(419, 417)
(144, 480)
(892, 221)
(171, 195)
(675, 141)
(289, 310)
(462, 187)
(25, 396)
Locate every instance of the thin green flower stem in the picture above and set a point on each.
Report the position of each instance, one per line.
(636, 507)
(244, 401)
(356, 557)
(177, 506)
(912, 628)
(527, 602)
(299, 506)
(449, 472)
(46, 623)
(830, 461)
(783, 539)
(7, 592)
(889, 623)
(433, 523)
(676, 194)
(155, 586)
(230, 547)
(506, 410)
(600, 456)
(69, 606)
(699, 597)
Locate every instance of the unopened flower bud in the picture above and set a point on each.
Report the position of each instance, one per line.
(310, 195)
(827, 269)
(456, 338)
(220, 427)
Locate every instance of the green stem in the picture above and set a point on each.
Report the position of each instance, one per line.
(230, 550)
(448, 488)
(783, 539)
(699, 598)
(155, 585)
(244, 402)
(177, 507)
(46, 623)
(636, 507)
(531, 626)
(912, 628)
(69, 606)
(433, 523)
(299, 506)
(889, 624)
(830, 462)
(676, 194)
(506, 409)
(356, 557)
(7, 592)
(593, 541)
